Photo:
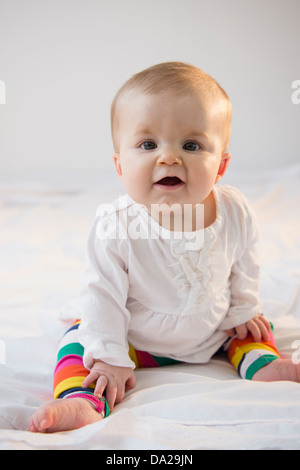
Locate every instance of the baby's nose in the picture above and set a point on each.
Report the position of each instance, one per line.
(169, 156)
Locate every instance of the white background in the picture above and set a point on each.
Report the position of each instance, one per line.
(63, 60)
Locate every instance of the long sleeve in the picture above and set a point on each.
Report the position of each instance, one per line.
(244, 287)
(104, 316)
(244, 281)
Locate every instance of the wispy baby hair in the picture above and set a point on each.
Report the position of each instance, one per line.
(178, 77)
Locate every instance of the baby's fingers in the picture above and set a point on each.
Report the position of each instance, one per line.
(255, 331)
(241, 331)
(91, 378)
(101, 384)
(266, 323)
(264, 327)
(111, 394)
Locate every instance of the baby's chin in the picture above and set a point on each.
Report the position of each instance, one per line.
(175, 199)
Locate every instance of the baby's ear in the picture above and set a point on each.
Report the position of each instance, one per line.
(223, 166)
(116, 159)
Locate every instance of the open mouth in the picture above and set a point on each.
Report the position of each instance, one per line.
(169, 181)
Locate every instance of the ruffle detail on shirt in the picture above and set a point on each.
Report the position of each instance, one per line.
(198, 272)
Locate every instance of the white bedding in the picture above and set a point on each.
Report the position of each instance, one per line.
(43, 228)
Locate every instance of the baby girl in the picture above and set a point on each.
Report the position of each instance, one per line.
(172, 271)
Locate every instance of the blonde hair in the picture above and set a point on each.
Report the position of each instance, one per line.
(178, 77)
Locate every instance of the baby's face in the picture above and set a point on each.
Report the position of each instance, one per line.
(170, 148)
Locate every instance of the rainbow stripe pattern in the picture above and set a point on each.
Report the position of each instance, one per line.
(245, 355)
(70, 372)
(248, 357)
(144, 359)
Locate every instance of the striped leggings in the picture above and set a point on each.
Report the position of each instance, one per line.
(245, 355)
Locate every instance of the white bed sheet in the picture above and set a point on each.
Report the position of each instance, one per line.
(43, 228)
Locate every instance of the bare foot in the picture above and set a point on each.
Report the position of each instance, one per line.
(279, 369)
(63, 415)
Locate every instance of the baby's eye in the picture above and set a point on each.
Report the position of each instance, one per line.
(148, 145)
(191, 146)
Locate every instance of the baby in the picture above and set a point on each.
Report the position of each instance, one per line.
(172, 271)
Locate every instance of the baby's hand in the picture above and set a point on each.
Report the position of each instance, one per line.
(259, 327)
(114, 380)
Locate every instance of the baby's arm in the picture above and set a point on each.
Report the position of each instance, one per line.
(244, 280)
(258, 326)
(116, 381)
(105, 319)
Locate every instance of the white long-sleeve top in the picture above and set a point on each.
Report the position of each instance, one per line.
(160, 293)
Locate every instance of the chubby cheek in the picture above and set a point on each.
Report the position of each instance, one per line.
(208, 167)
(136, 185)
(202, 177)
